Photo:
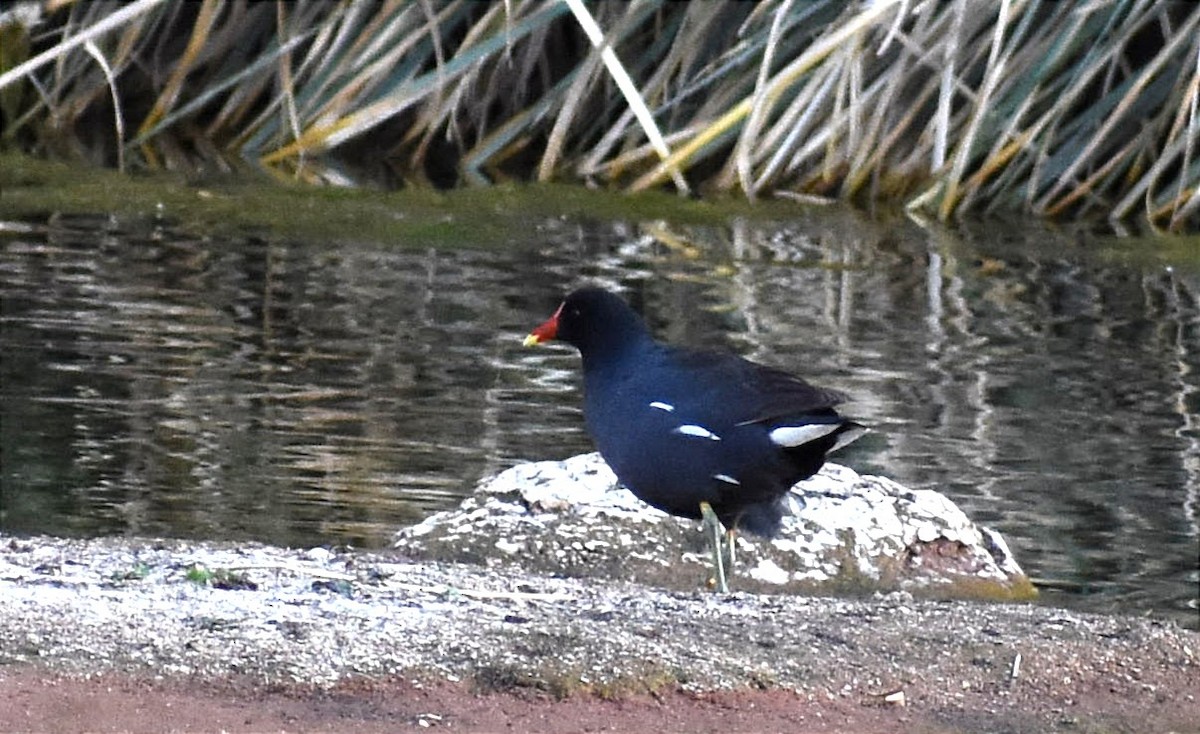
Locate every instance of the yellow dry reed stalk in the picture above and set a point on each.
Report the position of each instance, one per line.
(343, 116)
(1088, 187)
(195, 47)
(1140, 82)
(90, 33)
(287, 83)
(742, 155)
(782, 81)
(1058, 108)
(573, 99)
(628, 89)
(966, 142)
(118, 117)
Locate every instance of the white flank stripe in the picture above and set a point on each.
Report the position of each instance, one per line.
(726, 478)
(791, 436)
(697, 431)
(662, 406)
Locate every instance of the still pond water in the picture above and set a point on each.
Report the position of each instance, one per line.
(154, 382)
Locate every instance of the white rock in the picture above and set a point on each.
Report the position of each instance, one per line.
(318, 555)
(769, 571)
(841, 526)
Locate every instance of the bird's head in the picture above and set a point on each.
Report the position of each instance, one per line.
(591, 319)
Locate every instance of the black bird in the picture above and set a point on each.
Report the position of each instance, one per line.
(698, 434)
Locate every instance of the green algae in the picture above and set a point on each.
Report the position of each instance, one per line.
(247, 204)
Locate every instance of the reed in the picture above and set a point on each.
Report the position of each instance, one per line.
(1052, 108)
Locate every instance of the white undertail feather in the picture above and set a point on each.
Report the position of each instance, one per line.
(792, 436)
(850, 435)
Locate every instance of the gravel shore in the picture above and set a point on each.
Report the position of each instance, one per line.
(315, 620)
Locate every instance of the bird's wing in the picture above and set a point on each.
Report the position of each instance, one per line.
(750, 392)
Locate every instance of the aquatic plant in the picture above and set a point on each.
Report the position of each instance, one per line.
(1058, 109)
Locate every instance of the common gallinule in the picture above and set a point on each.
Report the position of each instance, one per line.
(697, 434)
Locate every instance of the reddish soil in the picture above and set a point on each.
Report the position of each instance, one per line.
(31, 700)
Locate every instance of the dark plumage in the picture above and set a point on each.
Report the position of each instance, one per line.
(681, 427)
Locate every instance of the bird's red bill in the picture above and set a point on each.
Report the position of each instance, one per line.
(546, 331)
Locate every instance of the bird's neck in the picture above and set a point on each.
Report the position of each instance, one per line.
(608, 356)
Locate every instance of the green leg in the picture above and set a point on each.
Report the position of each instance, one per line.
(713, 526)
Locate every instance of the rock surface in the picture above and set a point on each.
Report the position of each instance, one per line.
(847, 533)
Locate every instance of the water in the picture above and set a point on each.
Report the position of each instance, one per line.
(154, 382)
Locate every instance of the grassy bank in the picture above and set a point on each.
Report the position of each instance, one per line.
(1055, 109)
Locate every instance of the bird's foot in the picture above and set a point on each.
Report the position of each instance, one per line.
(715, 532)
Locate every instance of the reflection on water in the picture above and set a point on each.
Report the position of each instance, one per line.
(158, 384)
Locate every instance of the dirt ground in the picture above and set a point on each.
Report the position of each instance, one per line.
(31, 700)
